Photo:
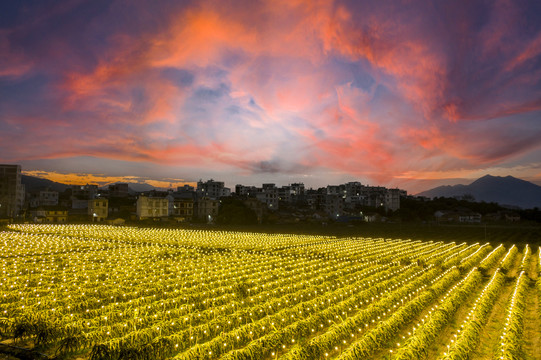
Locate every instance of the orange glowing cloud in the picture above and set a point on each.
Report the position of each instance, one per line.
(102, 180)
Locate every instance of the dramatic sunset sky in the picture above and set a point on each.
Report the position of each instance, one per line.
(408, 94)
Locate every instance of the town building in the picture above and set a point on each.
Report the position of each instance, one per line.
(268, 194)
(334, 206)
(119, 190)
(181, 204)
(98, 209)
(257, 207)
(392, 199)
(80, 194)
(50, 215)
(206, 209)
(185, 189)
(11, 191)
(45, 197)
(212, 189)
(248, 191)
(152, 207)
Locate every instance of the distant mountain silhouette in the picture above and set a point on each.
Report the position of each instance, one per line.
(32, 183)
(506, 190)
(140, 187)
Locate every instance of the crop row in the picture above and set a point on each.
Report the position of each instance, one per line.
(117, 293)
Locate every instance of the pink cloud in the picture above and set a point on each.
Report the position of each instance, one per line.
(292, 86)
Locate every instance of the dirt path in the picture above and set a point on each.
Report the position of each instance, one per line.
(532, 320)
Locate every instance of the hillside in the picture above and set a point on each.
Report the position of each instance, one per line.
(32, 184)
(506, 190)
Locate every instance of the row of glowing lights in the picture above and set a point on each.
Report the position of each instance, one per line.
(508, 255)
(420, 288)
(460, 252)
(343, 313)
(115, 260)
(283, 319)
(511, 313)
(525, 258)
(486, 259)
(263, 286)
(217, 237)
(234, 239)
(427, 316)
(471, 315)
(367, 302)
(471, 311)
(474, 253)
(452, 248)
(61, 286)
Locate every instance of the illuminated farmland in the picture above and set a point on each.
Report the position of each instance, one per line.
(102, 292)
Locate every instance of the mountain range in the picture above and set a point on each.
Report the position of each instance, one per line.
(506, 191)
(33, 183)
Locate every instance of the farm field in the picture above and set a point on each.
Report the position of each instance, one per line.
(103, 292)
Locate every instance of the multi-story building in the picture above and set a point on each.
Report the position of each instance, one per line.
(212, 189)
(119, 190)
(269, 198)
(291, 193)
(374, 196)
(181, 204)
(337, 190)
(392, 199)
(183, 209)
(207, 209)
(297, 190)
(257, 207)
(98, 209)
(352, 194)
(284, 194)
(45, 197)
(152, 207)
(80, 194)
(248, 191)
(11, 191)
(315, 199)
(185, 189)
(50, 214)
(334, 206)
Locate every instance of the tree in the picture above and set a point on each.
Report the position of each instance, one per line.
(235, 212)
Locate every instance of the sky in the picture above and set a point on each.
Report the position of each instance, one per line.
(409, 94)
